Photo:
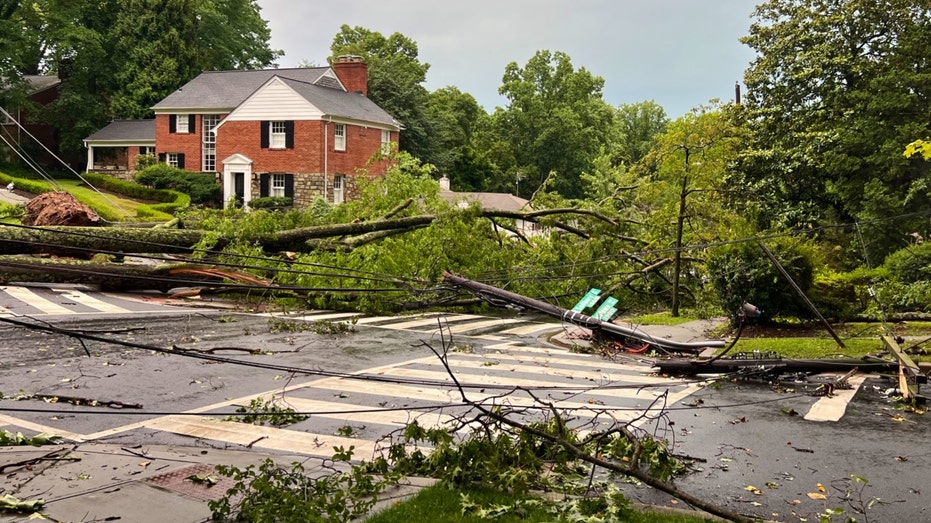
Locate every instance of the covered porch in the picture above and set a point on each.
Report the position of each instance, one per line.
(115, 148)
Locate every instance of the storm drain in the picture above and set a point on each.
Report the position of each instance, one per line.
(180, 481)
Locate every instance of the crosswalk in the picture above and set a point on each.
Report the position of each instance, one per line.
(492, 362)
(42, 301)
(496, 363)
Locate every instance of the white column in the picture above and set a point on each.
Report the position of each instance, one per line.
(90, 158)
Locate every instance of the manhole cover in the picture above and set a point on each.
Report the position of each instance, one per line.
(177, 481)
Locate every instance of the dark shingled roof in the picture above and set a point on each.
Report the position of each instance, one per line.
(221, 90)
(336, 102)
(41, 82)
(125, 131)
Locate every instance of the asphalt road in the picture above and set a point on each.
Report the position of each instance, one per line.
(753, 454)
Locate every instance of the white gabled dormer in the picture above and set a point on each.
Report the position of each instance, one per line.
(274, 100)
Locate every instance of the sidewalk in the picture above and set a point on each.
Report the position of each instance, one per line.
(144, 484)
(8, 196)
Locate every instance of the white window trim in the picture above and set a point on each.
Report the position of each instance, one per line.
(172, 159)
(276, 185)
(209, 140)
(339, 137)
(385, 141)
(277, 135)
(182, 124)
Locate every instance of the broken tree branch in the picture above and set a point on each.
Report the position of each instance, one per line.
(631, 469)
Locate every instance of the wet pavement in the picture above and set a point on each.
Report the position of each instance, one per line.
(755, 450)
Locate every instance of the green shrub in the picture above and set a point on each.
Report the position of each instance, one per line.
(201, 187)
(145, 160)
(130, 189)
(30, 186)
(743, 273)
(269, 202)
(843, 295)
(158, 211)
(905, 297)
(910, 264)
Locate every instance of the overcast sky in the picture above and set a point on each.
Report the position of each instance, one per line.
(679, 53)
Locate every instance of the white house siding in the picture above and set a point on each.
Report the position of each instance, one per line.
(275, 101)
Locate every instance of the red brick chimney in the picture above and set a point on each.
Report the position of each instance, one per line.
(353, 72)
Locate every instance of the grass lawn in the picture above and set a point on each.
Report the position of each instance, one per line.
(120, 205)
(437, 504)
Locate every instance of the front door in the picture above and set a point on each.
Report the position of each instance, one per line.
(239, 187)
(237, 180)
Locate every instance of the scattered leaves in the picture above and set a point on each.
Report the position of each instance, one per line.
(8, 502)
(203, 479)
(754, 490)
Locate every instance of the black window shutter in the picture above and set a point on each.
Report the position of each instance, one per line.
(172, 123)
(263, 185)
(289, 134)
(162, 157)
(289, 185)
(264, 124)
(180, 160)
(191, 120)
(142, 150)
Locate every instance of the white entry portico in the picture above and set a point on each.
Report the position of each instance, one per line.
(237, 180)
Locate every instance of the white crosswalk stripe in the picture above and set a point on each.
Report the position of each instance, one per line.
(90, 301)
(60, 301)
(597, 392)
(32, 299)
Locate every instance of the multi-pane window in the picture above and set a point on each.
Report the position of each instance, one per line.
(339, 137)
(278, 183)
(173, 159)
(385, 142)
(182, 124)
(209, 160)
(277, 135)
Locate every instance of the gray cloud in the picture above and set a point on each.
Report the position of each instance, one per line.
(680, 53)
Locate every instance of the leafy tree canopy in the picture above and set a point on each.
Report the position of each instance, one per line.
(120, 57)
(395, 78)
(556, 121)
(457, 118)
(837, 90)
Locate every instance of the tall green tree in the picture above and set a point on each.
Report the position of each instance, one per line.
(637, 127)
(457, 118)
(232, 35)
(156, 51)
(121, 56)
(838, 88)
(680, 183)
(556, 122)
(396, 77)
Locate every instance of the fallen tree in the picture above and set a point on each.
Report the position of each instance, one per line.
(75, 240)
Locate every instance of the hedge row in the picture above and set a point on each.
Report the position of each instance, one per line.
(131, 189)
(170, 200)
(30, 186)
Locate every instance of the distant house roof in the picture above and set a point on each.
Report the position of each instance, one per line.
(41, 82)
(224, 90)
(125, 132)
(492, 201)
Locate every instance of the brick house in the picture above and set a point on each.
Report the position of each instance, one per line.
(22, 131)
(299, 133)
